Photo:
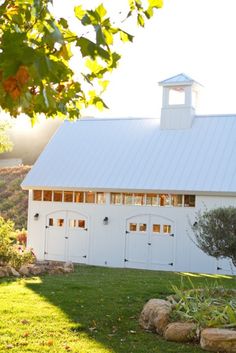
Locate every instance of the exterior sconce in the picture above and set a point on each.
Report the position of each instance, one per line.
(105, 221)
(36, 216)
(195, 224)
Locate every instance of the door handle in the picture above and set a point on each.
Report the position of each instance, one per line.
(66, 237)
(86, 229)
(149, 243)
(85, 256)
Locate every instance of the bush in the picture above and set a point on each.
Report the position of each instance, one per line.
(215, 232)
(12, 253)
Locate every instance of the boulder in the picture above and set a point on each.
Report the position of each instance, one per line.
(13, 272)
(56, 270)
(218, 340)
(69, 266)
(181, 332)
(155, 315)
(24, 270)
(3, 272)
(37, 270)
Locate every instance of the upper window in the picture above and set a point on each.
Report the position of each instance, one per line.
(128, 199)
(139, 199)
(37, 195)
(176, 96)
(177, 200)
(79, 196)
(116, 198)
(189, 200)
(57, 196)
(47, 195)
(101, 198)
(152, 200)
(90, 197)
(164, 200)
(68, 196)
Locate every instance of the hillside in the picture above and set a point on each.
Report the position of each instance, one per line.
(13, 200)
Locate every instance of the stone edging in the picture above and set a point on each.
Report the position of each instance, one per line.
(37, 269)
(155, 317)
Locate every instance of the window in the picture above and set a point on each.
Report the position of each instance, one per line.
(166, 229)
(133, 227)
(127, 199)
(37, 195)
(164, 200)
(101, 198)
(77, 223)
(189, 200)
(79, 196)
(81, 223)
(156, 228)
(139, 199)
(57, 196)
(90, 197)
(116, 199)
(47, 195)
(50, 222)
(142, 227)
(152, 200)
(60, 222)
(68, 196)
(176, 96)
(177, 200)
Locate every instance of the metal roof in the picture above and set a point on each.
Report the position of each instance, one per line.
(135, 154)
(178, 79)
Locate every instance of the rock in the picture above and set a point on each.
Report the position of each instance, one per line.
(56, 270)
(181, 332)
(155, 315)
(37, 270)
(13, 272)
(24, 270)
(69, 266)
(218, 340)
(3, 272)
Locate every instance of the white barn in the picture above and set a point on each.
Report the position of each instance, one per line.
(123, 192)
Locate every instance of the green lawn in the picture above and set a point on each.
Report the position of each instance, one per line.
(94, 310)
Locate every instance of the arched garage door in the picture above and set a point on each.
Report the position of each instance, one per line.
(67, 237)
(149, 242)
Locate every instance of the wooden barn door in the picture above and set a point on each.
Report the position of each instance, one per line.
(66, 237)
(149, 242)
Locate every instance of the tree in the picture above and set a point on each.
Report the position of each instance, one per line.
(215, 232)
(5, 142)
(35, 53)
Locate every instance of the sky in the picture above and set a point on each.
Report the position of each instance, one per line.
(196, 37)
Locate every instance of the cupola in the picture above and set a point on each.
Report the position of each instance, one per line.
(179, 102)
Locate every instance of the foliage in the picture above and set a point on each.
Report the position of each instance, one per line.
(11, 253)
(13, 200)
(92, 310)
(5, 142)
(6, 232)
(215, 232)
(21, 236)
(210, 306)
(36, 48)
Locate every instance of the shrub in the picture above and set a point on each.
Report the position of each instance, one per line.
(11, 253)
(215, 232)
(211, 306)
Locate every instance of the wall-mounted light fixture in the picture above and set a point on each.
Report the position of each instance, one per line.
(105, 220)
(36, 216)
(195, 224)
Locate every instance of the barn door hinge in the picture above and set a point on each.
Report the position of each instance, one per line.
(218, 268)
(126, 232)
(85, 256)
(172, 235)
(171, 264)
(126, 260)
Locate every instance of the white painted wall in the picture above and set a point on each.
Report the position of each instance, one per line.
(107, 242)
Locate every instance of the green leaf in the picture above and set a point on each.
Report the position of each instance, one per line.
(101, 11)
(156, 3)
(100, 39)
(126, 37)
(89, 48)
(140, 20)
(79, 12)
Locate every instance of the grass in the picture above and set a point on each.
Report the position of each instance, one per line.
(94, 310)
